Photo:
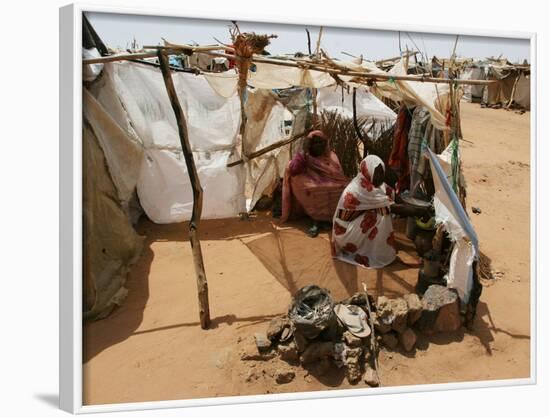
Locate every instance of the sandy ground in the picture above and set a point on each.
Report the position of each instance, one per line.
(152, 347)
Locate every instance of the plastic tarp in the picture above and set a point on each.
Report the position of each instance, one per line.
(522, 95)
(265, 125)
(111, 244)
(123, 155)
(450, 213)
(367, 104)
(270, 76)
(336, 98)
(500, 92)
(212, 123)
(92, 71)
(165, 190)
(434, 97)
(430, 95)
(473, 93)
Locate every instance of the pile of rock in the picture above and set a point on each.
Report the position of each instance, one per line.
(396, 322)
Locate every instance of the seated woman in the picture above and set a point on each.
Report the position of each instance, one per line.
(313, 182)
(362, 231)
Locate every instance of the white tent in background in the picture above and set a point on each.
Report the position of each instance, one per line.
(473, 93)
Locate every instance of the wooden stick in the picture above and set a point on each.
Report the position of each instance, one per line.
(369, 75)
(356, 125)
(119, 57)
(373, 344)
(269, 148)
(191, 48)
(513, 93)
(202, 285)
(395, 58)
(308, 42)
(301, 65)
(314, 90)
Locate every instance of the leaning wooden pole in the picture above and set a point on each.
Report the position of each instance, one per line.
(202, 285)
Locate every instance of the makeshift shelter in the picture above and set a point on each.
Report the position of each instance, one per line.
(170, 136)
(127, 107)
(511, 86)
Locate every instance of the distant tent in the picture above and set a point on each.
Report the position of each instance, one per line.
(473, 93)
(512, 86)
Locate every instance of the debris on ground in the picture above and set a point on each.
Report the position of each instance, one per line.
(284, 376)
(318, 333)
(370, 377)
(262, 342)
(441, 310)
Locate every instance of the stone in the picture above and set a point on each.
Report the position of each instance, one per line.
(316, 351)
(284, 376)
(262, 342)
(300, 341)
(354, 353)
(383, 306)
(251, 376)
(408, 339)
(322, 366)
(392, 313)
(414, 305)
(370, 377)
(449, 319)
(380, 326)
(440, 310)
(288, 353)
(276, 327)
(352, 340)
(353, 365)
(249, 351)
(400, 313)
(390, 340)
(353, 373)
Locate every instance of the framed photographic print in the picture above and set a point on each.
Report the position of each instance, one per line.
(257, 211)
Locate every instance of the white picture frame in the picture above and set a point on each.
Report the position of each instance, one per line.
(70, 151)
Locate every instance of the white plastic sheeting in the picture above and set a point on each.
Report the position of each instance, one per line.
(367, 104)
(212, 121)
(165, 190)
(122, 154)
(473, 93)
(133, 96)
(434, 97)
(90, 72)
(223, 83)
(265, 126)
(450, 213)
(271, 76)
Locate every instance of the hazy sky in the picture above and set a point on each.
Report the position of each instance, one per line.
(118, 30)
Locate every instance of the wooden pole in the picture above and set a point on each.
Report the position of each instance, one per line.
(314, 90)
(119, 57)
(513, 93)
(356, 125)
(373, 344)
(301, 64)
(269, 148)
(202, 285)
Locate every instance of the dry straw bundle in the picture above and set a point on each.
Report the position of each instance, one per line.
(347, 145)
(246, 45)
